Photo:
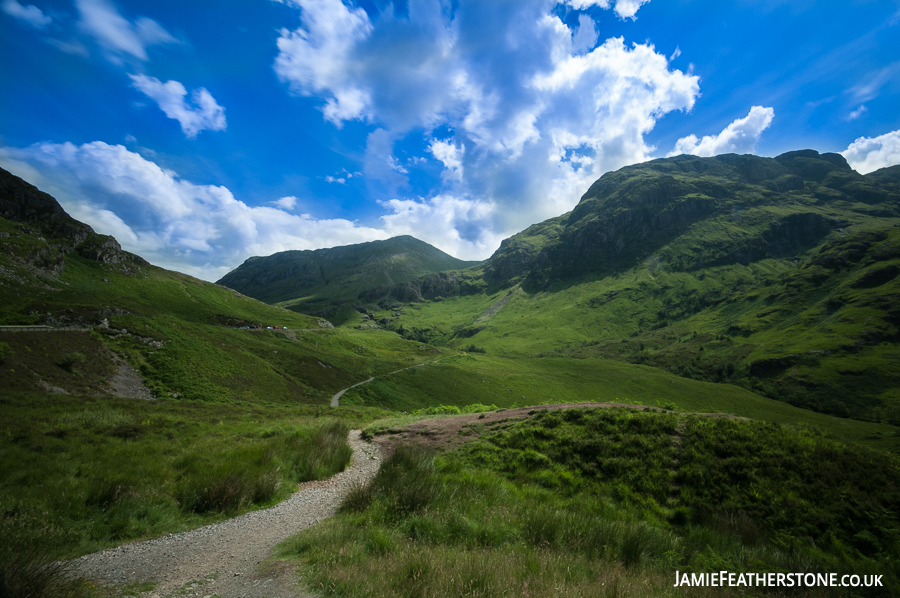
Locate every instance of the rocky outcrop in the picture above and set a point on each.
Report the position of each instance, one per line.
(105, 249)
(432, 286)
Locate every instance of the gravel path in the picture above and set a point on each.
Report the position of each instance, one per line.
(223, 559)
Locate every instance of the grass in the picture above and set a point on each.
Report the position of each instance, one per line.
(460, 380)
(607, 503)
(111, 470)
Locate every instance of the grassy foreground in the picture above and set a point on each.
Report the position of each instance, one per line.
(102, 471)
(609, 503)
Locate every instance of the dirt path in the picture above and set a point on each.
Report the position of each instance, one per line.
(338, 395)
(224, 559)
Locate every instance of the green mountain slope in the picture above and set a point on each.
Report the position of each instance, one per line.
(779, 275)
(182, 334)
(308, 281)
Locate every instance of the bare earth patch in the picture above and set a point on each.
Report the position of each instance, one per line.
(445, 433)
(128, 383)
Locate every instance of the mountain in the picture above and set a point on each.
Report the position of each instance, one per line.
(776, 274)
(308, 281)
(182, 335)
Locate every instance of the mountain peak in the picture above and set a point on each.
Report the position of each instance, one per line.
(309, 280)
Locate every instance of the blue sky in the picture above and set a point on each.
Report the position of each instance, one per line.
(201, 133)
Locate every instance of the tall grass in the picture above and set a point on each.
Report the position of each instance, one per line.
(252, 475)
(110, 471)
(28, 568)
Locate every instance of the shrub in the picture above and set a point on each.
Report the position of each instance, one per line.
(407, 480)
(70, 360)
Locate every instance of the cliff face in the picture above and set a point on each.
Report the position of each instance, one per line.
(22, 202)
(763, 207)
(56, 233)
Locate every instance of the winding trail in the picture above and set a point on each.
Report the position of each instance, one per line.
(339, 394)
(223, 559)
(334, 399)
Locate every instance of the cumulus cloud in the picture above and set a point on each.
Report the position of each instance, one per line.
(310, 58)
(868, 154)
(202, 114)
(530, 111)
(29, 14)
(739, 137)
(199, 229)
(454, 224)
(117, 35)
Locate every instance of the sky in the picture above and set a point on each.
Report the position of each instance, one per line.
(202, 133)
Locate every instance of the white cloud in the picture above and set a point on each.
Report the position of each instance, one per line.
(450, 155)
(626, 9)
(854, 114)
(199, 229)
(30, 14)
(868, 154)
(288, 202)
(338, 180)
(312, 58)
(116, 34)
(540, 109)
(205, 114)
(447, 219)
(739, 137)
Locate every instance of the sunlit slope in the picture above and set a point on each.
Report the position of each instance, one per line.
(780, 275)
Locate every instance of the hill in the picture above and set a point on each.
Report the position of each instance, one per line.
(776, 274)
(319, 281)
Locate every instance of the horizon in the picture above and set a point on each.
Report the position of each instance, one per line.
(201, 136)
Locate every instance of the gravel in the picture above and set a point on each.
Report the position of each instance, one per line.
(223, 559)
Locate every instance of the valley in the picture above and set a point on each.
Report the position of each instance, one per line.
(748, 307)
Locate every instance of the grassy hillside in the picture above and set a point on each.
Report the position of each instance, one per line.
(182, 334)
(778, 275)
(475, 378)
